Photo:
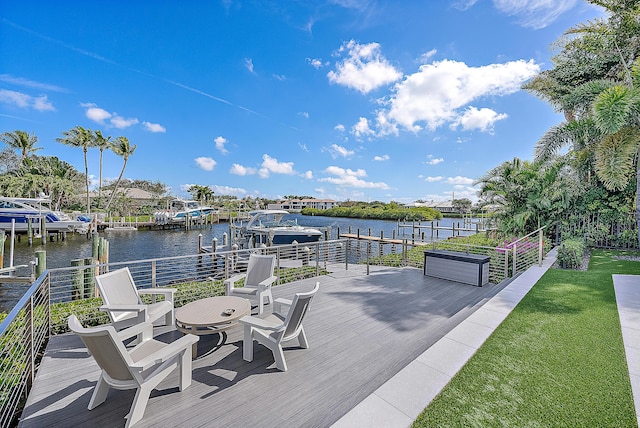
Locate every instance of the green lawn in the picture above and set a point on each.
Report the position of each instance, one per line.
(557, 360)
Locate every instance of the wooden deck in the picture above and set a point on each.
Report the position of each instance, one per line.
(361, 329)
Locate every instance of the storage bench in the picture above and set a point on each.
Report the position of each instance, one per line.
(461, 267)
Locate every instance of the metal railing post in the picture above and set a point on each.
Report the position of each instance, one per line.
(515, 257)
(506, 263)
(153, 274)
(540, 248)
(31, 345)
(368, 253)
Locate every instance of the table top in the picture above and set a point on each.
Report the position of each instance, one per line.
(211, 311)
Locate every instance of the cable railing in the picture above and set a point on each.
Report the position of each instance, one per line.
(58, 293)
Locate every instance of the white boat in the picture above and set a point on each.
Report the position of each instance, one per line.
(180, 210)
(269, 227)
(25, 210)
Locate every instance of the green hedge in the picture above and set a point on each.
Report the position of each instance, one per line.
(570, 253)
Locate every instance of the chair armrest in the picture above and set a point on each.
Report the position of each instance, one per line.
(135, 330)
(166, 352)
(267, 282)
(261, 324)
(280, 304)
(228, 283)
(232, 280)
(123, 308)
(159, 290)
(166, 292)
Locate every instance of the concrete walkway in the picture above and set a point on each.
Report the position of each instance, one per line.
(400, 400)
(627, 288)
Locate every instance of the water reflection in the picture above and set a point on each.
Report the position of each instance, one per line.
(144, 244)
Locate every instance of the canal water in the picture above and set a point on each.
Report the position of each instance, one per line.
(145, 244)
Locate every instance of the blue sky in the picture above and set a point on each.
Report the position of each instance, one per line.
(343, 99)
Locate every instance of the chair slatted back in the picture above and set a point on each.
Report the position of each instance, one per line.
(117, 288)
(105, 347)
(296, 313)
(260, 268)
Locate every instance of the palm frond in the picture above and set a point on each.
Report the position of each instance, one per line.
(612, 108)
(614, 158)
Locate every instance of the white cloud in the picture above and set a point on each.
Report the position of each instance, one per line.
(22, 100)
(280, 77)
(337, 150)
(220, 142)
(41, 103)
(227, 190)
(480, 119)
(381, 158)
(426, 57)
(238, 169)
(21, 81)
(248, 63)
(464, 4)
(273, 166)
(154, 127)
(362, 129)
(350, 178)
(303, 147)
(433, 161)
(364, 68)
(304, 114)
(534, 14)
(339, 127)
(315, 63)
(101, 116)
(308, 175)
(460, 180)
(433, 179)
(433, 94)
(205, 163)
(122, 123)
(95, 113)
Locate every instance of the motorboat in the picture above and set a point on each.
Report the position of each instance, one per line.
(180, 209)
(17, 213)
(269, 227)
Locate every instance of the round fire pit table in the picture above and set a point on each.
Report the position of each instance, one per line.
(211, 315)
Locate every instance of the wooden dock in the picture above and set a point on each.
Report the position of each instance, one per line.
(362, 330)
(380, 239)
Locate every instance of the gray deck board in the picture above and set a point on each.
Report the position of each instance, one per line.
(362, 330)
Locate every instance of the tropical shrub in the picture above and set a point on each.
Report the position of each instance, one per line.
(571, 252)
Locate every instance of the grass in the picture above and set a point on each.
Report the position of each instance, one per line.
(557, 360)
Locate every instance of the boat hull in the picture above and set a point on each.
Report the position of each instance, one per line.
(300, 238)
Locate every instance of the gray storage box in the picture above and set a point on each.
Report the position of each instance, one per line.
(461, 267)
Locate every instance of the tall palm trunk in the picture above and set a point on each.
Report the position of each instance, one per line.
(638, 196)
(115, 188)
(86, 175)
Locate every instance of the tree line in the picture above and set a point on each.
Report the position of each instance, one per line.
(29, 174)
(587, 166)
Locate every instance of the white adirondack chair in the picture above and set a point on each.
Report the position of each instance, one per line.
(257, 280)
(142, 367)
(274, 329)
(123, 304)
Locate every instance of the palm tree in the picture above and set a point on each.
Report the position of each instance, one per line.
(101, 143)
(617, 115)
(80, 137)
(22, 141)
(121, 147)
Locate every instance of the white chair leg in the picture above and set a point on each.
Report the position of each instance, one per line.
(302, 339)
(260, 304)
(170, 318)
(139, 405)
(247, 345)
(99, 393)
(185, 368)
(278, 355)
